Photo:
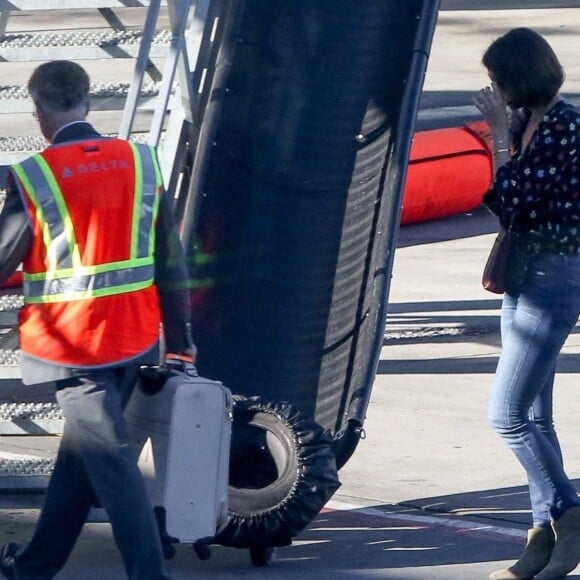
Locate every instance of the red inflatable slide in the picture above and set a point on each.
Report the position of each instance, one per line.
(449, 171)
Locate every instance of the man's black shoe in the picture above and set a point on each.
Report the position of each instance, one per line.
(7, 554)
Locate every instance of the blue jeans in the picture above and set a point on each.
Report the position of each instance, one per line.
(95, 458)
(535, 323)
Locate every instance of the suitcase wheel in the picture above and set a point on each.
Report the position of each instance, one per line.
(261, 555)
(169, 550)
(202, 551)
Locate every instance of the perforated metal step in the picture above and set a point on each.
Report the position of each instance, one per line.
(10, 304)
(34, 5)
(43, 418)
(22, 472)
(87, 45)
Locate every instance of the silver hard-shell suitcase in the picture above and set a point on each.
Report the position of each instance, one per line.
(183, 433)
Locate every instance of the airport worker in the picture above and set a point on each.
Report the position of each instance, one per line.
(103, 268)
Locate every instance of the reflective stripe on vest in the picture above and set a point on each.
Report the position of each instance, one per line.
(66, 278)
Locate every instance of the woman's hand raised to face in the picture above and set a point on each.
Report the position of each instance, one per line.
(492, 106)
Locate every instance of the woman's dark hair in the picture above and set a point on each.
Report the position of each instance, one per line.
(525, 68)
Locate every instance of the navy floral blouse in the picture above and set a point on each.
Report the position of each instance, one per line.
(540, 190)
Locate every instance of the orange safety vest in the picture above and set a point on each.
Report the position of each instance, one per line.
(88, 279)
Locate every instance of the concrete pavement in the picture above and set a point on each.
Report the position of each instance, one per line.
(430, 493)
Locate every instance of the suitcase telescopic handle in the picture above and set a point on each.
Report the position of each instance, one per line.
(172, 363)
(152, 379)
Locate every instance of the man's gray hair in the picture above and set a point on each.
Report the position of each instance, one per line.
(59, 86)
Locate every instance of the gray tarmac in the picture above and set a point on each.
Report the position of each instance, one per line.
(431, 492)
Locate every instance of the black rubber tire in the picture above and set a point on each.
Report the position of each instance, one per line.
(274, 465)
(202, 550)
(261, 556)
(282, 472)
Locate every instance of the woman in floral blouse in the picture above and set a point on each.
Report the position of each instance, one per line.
(536, 190)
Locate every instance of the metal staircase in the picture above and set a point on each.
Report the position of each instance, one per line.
(107, 43)
(154, 65)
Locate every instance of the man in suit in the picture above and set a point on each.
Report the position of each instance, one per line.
(103, 266)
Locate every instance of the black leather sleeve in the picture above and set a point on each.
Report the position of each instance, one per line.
(171, 281)
(15, 231)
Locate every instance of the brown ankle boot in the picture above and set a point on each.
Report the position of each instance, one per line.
(534, 558)
(566, 554)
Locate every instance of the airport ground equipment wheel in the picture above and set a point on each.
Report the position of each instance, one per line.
(282, 472)
(261, 556)
(202, 550)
